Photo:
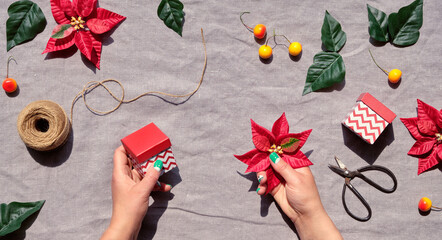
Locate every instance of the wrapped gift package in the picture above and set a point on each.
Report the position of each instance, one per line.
(147, 145)
(368, 118)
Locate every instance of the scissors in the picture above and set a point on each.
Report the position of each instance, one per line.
(349, 175)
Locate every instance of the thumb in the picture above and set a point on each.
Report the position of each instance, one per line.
(150, 179)
(283, 168)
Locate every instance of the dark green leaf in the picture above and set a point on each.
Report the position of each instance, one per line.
(62, 31)
(327, 69)
(332, 35)
(171, 12)
(13, 214)
(404, 26)
(25, 21)
(378, 24)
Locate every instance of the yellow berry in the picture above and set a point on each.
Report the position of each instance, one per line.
(295, 48)
(394, 75)
(265, 51)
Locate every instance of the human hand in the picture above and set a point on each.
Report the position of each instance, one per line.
(299, 200)
(130, 196)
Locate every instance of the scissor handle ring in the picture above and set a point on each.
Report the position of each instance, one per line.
(377, 186)
(359, 196)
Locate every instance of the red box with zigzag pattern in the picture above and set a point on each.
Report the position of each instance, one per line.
(368, 118)
(147, 145)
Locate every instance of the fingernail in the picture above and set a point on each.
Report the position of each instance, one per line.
(257, 190)
(275, 157)
(158, 183)
(158, 165)
(260, 177)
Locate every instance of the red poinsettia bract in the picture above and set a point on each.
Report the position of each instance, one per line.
(80, 23)
(426, 128)
(279, 140)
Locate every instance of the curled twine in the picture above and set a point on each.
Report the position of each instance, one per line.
(44, 125)
(94, 84)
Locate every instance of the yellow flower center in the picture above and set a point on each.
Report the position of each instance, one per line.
(77, 23)
(276, 149)
(439, 137)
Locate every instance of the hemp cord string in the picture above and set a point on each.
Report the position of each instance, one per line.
(43, 125)
(94, 84)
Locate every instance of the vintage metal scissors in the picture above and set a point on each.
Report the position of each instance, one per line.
(349, 175)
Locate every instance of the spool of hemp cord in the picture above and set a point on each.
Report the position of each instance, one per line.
(43, 125)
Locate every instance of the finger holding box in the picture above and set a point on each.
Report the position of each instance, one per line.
(147, 145)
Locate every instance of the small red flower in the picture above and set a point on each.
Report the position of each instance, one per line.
(279, 140)
(426, 128)
(80, 23)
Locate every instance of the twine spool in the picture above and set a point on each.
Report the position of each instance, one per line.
(43, 125)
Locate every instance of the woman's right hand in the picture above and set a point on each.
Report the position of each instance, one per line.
(299, 199)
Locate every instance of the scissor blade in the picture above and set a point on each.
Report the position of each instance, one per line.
(340, 164)
(337, 170)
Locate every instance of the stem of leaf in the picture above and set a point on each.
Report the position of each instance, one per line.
(248, 28)
(377, 63)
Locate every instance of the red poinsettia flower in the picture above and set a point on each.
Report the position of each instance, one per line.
(80, 23)
(426, 128)
(279, 140)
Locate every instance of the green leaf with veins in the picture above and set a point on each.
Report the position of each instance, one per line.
(378, 24)
(171, 12)
(13, 214)
(404, 25)
(327, 69)
(25, 21)
(332, 35)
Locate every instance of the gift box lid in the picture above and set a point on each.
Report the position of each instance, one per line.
(377, 107)
(146, 142)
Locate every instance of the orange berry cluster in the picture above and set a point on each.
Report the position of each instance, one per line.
(265, 51)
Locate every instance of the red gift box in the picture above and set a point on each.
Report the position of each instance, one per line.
(147, 145)
(368, 118)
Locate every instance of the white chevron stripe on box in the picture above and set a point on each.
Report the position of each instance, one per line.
(166, 156)
(360, 128)
(365, 122)
(169, 162)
